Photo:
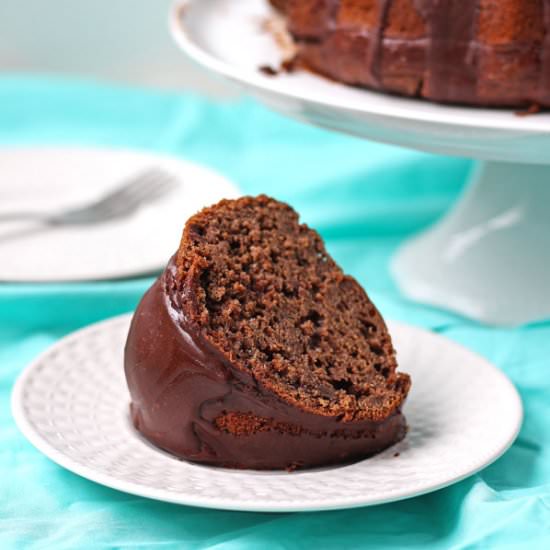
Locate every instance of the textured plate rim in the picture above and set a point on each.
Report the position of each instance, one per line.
(162, 158)
(478, 118)
(35, 438)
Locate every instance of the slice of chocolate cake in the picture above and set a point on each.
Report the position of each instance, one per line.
(254, 350)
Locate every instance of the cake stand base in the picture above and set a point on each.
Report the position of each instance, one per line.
(489, 259)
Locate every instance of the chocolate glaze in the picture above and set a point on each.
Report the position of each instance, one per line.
(451, 44)
(375, 52)
(448, 64)
(179, 384)
(544, 83)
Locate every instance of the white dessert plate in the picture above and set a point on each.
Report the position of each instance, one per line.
(72, 404)
(54, 179)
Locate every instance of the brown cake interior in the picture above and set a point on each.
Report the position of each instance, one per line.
(266, 293)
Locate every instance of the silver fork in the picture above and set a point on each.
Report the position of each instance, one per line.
(147, 186)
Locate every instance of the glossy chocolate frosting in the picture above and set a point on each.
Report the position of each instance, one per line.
(473, 52)
(179, 384)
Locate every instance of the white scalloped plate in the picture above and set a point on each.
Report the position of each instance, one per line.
(72, 404)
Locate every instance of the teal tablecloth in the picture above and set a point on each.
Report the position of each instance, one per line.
(365, 199)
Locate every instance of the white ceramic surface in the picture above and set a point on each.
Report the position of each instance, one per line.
(490, 259)
(72, 404)
(46, 179)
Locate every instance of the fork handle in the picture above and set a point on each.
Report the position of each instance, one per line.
(23, 216)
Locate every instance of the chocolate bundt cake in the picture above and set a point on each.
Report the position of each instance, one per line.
(254, 350)
(477, 52)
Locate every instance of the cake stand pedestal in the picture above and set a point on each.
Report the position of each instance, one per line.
(489, 259)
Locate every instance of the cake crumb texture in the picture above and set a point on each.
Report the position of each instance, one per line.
(267, 294)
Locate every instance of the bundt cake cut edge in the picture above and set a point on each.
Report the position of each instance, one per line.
(355, 381)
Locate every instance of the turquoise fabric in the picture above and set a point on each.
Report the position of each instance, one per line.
(365, 198)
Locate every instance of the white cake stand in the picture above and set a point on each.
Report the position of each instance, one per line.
(489, 259)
